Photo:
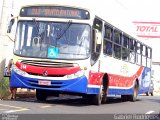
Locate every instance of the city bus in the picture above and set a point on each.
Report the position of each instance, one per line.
(69, 50)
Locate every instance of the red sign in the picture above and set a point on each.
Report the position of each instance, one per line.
(147, 29)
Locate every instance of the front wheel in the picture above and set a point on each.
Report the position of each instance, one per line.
(102, 96)
(41, 95)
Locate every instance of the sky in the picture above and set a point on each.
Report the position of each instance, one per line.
(120, 13)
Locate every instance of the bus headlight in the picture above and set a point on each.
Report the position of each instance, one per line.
(17, 70)
(76, 75)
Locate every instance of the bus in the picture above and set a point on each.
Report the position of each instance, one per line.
(69, 50)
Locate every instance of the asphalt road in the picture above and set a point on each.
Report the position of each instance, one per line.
(77, 105)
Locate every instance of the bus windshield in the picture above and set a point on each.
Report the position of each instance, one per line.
(55, 40)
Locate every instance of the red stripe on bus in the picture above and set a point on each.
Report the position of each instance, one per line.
(50, 71)
(124, 81)
(114, 80)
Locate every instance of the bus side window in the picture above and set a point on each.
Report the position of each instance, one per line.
(107, 48)
(117, 37)
(144, 58)
(117, 51)
(107, 44)
(148, 54)
(132, 45)
(125, 50)
(108, 33)
(138, 54)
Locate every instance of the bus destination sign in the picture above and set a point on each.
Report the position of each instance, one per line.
(55, 12)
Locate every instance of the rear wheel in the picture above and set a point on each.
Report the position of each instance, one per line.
(41, 95)
(133, 97)
(147, 93)
(151, 93)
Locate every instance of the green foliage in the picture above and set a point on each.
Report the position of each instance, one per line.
(4, 88)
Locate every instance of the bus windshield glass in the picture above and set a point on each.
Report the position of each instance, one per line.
(54, 40)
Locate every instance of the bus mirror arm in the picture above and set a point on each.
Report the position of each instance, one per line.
(11, 37)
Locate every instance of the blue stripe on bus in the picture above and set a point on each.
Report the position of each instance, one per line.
(115, 91)
(78, 85)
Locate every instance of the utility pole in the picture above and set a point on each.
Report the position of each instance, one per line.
(5, 15)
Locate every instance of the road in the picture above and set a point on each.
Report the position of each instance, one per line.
(77, 105)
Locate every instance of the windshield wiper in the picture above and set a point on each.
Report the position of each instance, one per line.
(68, 25)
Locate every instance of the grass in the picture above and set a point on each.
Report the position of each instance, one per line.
(4, 88)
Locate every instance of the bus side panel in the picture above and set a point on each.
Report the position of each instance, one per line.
(145, 80)
(122, 75)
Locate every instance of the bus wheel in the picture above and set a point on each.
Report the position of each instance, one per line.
(151, 93)
(133, 97)
(147, 93)
(101, 97)
(41, 95)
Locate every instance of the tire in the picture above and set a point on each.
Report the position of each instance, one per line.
(133, 97)
(147, 93)
(41, 95)
(97, 99)
(151, 93)
(100, 98)
(104, 92)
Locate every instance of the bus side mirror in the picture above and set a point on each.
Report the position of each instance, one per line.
(11, 31)
(10, 25)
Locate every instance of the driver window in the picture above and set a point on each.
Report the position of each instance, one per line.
(97, 26)
(96, 47)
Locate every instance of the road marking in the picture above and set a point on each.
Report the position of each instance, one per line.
(17, 108)
(46, 106)
(11, 111)
(3, 109)
(11, 106)
(149, 112)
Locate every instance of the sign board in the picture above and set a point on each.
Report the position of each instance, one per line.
(54, 12)
(147, 29)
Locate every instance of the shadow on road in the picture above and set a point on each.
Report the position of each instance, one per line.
(72, 100)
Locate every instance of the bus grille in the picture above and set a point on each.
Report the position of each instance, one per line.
(49, 64)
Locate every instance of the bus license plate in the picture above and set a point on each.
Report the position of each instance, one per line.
(44, 82)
